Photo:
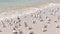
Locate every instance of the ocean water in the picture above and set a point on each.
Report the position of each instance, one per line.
(24, 2)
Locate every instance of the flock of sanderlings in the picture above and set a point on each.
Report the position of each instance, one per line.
(45, 19)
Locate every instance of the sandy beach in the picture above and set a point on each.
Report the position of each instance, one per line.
(34, 19)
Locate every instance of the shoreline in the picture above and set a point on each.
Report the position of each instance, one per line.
(22, 7)
(12, 11)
